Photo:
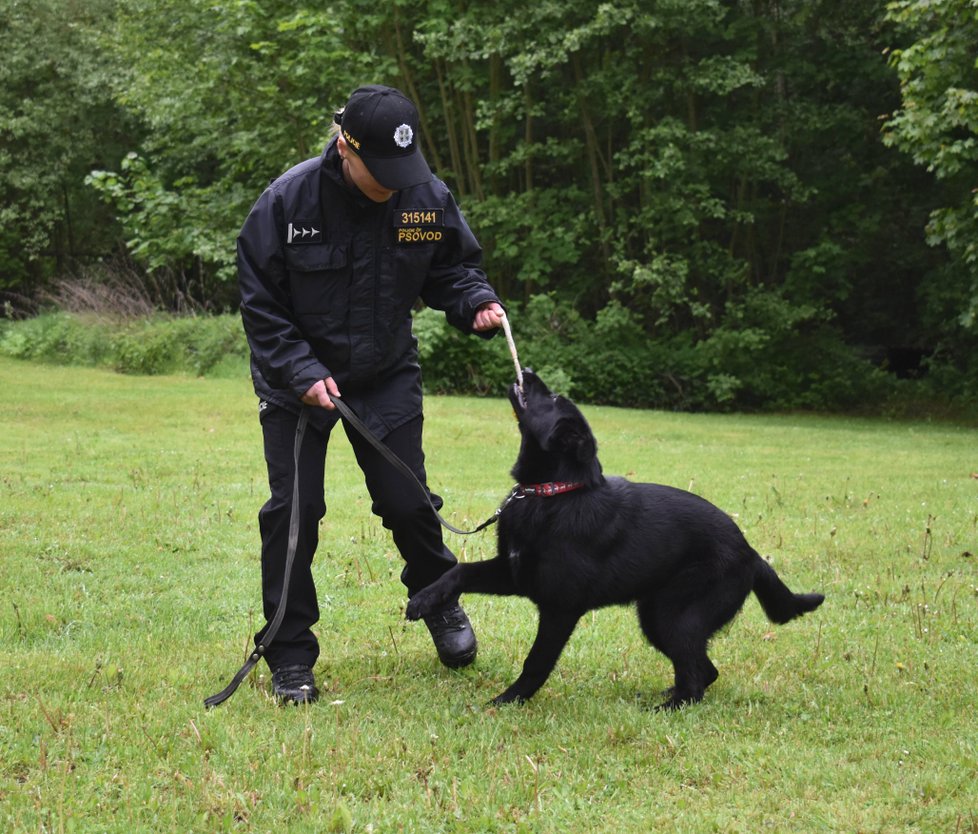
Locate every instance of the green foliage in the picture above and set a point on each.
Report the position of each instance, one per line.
(190, 345)
(938, 122)
(166, 227)
(769, 355)
(58, 337)
(57, 119)
(451, 362)
(689, 162)
(770, 352)
(610, 362)
(202, 346)
(535, 235)
(233, 95)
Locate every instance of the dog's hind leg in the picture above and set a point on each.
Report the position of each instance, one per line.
(682, 636)
(553, 632)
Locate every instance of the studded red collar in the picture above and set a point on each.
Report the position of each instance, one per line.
(547, 490)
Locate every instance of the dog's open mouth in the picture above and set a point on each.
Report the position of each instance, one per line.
(516, 396)
(517, 393)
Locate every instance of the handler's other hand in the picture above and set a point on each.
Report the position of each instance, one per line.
(319, 394)
(488, 317)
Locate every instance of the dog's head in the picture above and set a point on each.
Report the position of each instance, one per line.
(557, 442)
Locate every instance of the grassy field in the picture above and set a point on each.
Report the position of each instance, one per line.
(129, 576)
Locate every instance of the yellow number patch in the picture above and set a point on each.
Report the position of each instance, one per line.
(420, 225)
(419, 217)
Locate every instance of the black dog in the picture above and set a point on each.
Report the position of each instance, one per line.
(572, 540)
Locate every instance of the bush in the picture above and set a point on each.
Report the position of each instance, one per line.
(775, 355)
(609, 361)
(60, 338)
(452, 363)
(767, 356)
(771, 357)
(204, 345)
(195, 345)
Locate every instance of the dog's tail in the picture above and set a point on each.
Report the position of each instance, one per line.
(777, 600)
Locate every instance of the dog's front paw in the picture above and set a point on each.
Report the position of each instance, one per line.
(432, 598)
(421, 604)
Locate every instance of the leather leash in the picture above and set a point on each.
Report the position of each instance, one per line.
(273, 626)
(351, 417)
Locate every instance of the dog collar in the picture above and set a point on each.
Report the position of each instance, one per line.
(547, 490)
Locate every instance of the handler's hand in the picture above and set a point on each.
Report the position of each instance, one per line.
(319, 394)
(488, 317)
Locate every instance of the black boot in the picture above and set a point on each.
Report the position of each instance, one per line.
(295, 684)
(452, 634)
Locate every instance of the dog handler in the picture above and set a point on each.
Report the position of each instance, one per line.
(331, 260)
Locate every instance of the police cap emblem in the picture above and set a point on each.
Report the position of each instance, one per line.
(403, 136)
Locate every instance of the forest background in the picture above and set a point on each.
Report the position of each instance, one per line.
(687, 204)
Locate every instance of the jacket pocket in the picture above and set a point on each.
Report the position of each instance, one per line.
(319, 277)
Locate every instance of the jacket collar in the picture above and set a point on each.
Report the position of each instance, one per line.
(332, 167)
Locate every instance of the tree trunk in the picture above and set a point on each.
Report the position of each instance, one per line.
(527, 137)
(495, 85)
(430, 148)
(471, 140)
(451, 129)
(593, 157)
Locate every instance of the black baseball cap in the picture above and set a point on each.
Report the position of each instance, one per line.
(380, 124)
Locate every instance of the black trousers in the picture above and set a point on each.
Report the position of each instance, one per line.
(396, 500)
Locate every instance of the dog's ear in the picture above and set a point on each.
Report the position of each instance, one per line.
(584, 446)
(587, 448)
(570, 436)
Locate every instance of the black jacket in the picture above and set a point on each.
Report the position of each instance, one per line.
(328, 279)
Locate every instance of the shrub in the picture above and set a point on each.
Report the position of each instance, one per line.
(767, 356)
(775, 355)
(59, 338)
(154, 345)
(454, 363)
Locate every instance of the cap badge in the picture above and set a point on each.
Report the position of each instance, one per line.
(403, 136)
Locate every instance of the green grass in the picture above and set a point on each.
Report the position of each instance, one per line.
(129, 576)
